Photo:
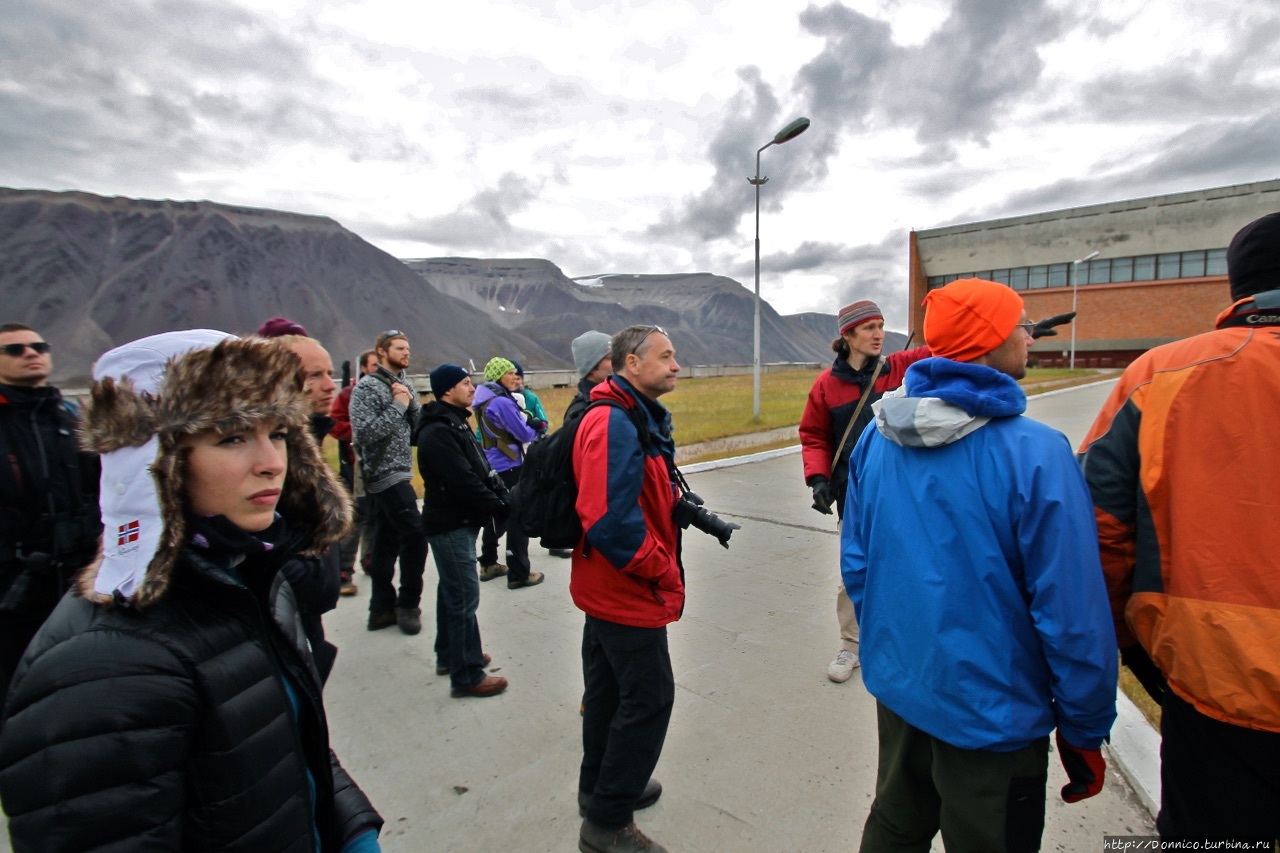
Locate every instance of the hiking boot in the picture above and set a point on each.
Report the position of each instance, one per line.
(443, 668)
(843, 666)
(652, 791)
(495, 570)
(378, 621)
(348, 586)
(409, 619)
(629, 839)
(534, 579)
(562, 553)
(491, 686)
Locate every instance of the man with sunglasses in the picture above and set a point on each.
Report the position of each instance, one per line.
(384, 409)
(49, 519)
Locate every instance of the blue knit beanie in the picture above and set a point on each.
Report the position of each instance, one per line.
(444, 377)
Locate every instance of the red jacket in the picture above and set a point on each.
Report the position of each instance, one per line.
(832, 399)
(340, 411)
(627, 568)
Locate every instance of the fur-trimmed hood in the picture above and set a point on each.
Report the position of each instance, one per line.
(148, 395)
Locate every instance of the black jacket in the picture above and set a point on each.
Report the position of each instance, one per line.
(48, 499)
(579, 403)
(459, 488)
(171, 728)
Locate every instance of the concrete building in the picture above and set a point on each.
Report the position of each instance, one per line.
(1159, 275)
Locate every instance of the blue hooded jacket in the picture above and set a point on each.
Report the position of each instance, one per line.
(971, 556)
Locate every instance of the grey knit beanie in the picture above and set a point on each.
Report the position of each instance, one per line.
(588, 349)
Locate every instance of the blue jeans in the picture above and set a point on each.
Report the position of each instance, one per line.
(457, 597)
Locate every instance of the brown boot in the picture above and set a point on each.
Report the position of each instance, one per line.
(491, 686)
(629, 839)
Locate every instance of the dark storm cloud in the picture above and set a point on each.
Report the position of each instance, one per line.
(811, 255)
(481, 224)
(1213, 153)
(135, 91)
(952, 87)
(751, 117)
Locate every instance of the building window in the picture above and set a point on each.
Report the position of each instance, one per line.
(1001, 276)
(1122, 269)
(1099, 272)
(1018, 278)
(1037, 277)
(1192, 264)
(1058, 275)
(1215, 262)
(1144, 268)
(1169, 265)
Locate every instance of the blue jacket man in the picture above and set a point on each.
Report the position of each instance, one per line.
(969, 551)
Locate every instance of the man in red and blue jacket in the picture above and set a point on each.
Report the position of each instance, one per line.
(628, 580)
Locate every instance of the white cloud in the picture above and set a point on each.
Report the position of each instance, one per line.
(611, 136)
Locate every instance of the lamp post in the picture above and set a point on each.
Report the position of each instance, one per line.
(1075, 284)
(788, 133)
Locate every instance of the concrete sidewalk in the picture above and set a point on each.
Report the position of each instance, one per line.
(764, 753)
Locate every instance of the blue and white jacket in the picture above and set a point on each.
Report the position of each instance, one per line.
(970, 553)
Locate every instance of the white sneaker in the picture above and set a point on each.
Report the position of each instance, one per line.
(843, 666)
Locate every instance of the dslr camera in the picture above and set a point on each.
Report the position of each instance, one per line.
(690, 512)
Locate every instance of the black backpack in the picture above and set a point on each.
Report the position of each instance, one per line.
(544, 501)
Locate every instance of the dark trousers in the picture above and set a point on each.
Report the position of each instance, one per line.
(457, 597)
(359, 539)
(517, 542)
(629, 693)
(980, 800)
(1217, 780)
(398, 534)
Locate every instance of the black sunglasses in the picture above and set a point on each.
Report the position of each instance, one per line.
(388, 335)
(15, 350)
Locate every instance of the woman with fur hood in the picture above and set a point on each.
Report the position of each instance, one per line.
(171, 701)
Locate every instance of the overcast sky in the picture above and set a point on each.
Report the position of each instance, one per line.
(618, 136)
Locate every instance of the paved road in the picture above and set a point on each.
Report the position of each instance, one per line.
(764, 753)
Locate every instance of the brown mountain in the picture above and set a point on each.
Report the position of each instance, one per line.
(91, 272)
(710, 317)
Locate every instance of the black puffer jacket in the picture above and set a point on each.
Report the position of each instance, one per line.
(45, 482)
(171, 728)
(457, 489)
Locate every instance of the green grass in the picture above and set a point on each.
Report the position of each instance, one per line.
(719, 407)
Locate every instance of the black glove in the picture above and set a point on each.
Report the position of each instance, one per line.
(1044, 329)
(823, 494)
(502, 513)
(536, 424)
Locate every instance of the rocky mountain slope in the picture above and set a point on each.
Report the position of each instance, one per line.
(709, 317)
(91, 272)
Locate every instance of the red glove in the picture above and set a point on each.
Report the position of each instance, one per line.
(1086, 768)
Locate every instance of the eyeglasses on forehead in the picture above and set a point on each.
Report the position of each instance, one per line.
(648, 330)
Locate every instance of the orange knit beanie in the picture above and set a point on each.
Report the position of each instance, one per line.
(969, 318)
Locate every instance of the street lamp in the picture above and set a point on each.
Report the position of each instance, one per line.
(1075, 284)
(787, 134)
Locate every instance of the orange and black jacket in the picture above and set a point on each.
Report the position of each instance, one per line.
(1183, 466)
